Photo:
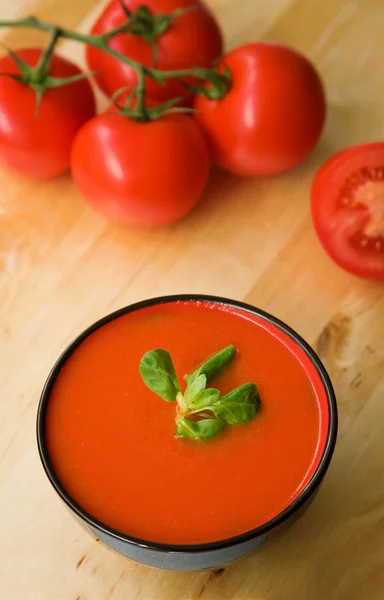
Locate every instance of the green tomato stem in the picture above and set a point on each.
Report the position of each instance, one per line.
(40, 72)
(141, 110)
(220, 82)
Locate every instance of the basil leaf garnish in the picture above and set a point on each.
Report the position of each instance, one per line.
(211, 411)
(238, 406)
(214, 365)
(158, 373)
(194, 389)
(199, 430)
(205, 399)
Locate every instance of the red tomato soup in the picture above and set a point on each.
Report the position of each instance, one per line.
(112, 444)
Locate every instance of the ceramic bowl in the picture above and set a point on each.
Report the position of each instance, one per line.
(198, 556)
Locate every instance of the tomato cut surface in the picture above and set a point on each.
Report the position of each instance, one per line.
(347, 199)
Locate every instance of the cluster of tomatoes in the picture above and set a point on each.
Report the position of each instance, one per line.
(139, 169)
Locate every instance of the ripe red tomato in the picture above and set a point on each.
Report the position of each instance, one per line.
(348, 209)
(149, 173)
(39, 145)
(192, 40)
(272, 116)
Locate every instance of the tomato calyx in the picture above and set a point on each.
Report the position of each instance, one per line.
(38, 77)
(145, 113)
(146, 24)
(215, 86)
(135, 107)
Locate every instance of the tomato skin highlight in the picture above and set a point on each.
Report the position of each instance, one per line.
(192, 40)
(148, 174)
(39, 146)
(273, 115)
(347, 202)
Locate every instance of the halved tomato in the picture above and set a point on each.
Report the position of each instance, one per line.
(347, 200)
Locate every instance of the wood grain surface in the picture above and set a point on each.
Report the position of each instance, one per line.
(62, 266)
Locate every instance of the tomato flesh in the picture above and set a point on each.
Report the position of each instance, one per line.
(365, 190)
(348, 209)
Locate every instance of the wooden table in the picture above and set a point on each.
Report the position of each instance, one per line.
(62, 267)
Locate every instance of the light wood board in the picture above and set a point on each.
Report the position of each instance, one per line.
(62, 267)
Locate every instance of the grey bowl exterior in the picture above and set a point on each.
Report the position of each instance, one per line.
(197, 556)
(182, 561)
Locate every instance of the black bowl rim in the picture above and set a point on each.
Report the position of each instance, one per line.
(263, 529)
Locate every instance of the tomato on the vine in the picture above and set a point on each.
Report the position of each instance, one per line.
(273, 115)
(36, 141)
(193, 39)
(140, 173)
(348, 209)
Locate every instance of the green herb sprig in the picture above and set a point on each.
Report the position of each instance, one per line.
(202, 412)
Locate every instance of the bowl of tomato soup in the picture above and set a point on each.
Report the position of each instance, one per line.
(108, 444)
